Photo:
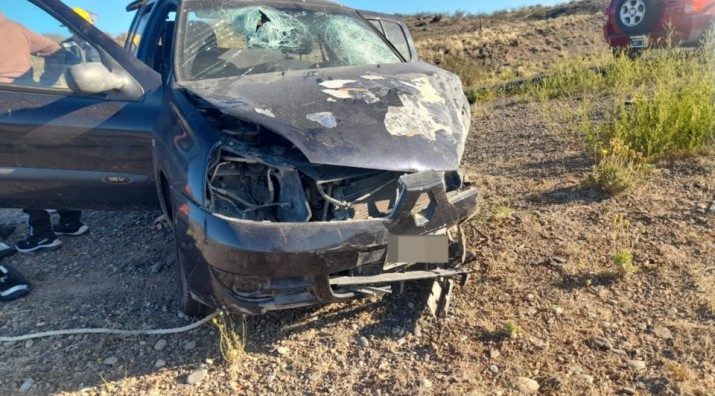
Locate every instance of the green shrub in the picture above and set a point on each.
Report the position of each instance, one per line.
(663, 102)
(623, 241)
(473, 95)
(674, 114)
(623, 261)
(468, 70)
(619, 168)
(572, 77)
(511, 329)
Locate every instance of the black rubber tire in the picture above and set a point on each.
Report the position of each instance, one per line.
(652, 14)
(187, 304)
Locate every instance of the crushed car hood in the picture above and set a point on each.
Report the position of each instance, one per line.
(403, 117)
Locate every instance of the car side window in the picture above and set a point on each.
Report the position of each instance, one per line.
(36, 49)
(397, 37)
(378, 25)
(160, 58)
(154, 44)
(138, 25)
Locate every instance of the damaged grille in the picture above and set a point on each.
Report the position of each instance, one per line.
(249, 189)
(242, 190)
(364, 198)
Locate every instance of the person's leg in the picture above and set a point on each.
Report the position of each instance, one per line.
(38, 221)
(40, 234)
(70, 223)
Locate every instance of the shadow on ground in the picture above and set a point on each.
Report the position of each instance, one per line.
(567, 195)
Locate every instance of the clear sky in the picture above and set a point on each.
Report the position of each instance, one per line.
(111, 17)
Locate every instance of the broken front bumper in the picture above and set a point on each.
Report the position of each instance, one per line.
(254, 267)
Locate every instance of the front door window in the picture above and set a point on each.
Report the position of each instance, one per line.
(36, 49)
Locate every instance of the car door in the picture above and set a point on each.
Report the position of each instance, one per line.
(395, 31)
(63, 147)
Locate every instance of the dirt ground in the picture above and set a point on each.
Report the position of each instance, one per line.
(542, 242)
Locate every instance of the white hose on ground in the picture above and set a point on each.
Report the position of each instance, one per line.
(111, 331)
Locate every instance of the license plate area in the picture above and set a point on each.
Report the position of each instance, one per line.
(433, 249)
(639, 41)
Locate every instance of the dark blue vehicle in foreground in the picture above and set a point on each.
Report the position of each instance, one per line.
(286, 143)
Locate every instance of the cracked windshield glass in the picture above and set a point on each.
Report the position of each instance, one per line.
(220, 41)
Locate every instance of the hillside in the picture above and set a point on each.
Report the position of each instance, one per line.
(485, 49)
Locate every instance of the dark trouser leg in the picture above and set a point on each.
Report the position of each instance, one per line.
(39, 222)
(69, 216)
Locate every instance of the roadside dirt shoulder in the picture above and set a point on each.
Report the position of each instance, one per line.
(542, 243)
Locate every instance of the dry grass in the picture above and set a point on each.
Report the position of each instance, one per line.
(511, 329)
(232, 339)
(619, 169)
(513, 49)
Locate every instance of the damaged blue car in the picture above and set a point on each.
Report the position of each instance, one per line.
(296, 148)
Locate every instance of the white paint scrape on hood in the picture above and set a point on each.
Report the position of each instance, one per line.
(404, 117)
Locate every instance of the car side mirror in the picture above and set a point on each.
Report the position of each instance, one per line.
(94, 78)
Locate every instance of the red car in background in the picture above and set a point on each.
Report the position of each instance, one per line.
(639, 24)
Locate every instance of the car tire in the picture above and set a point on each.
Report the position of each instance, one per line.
(187, 304)
(637, 16)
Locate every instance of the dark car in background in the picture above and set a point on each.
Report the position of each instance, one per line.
(639, 24)
(299, 149)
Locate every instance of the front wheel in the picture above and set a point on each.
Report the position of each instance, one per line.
(637, 16)
(187, 303)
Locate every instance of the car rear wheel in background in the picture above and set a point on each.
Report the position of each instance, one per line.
(637, 16)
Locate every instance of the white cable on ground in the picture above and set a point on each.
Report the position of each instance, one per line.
(111, 331)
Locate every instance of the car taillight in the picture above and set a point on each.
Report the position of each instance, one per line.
(693, 6)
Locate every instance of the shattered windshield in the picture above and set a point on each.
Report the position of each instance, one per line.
(222, 40)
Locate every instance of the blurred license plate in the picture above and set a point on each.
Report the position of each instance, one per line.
(418, 249)
(639, 41)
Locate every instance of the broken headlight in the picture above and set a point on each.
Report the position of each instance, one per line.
(249, 190)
